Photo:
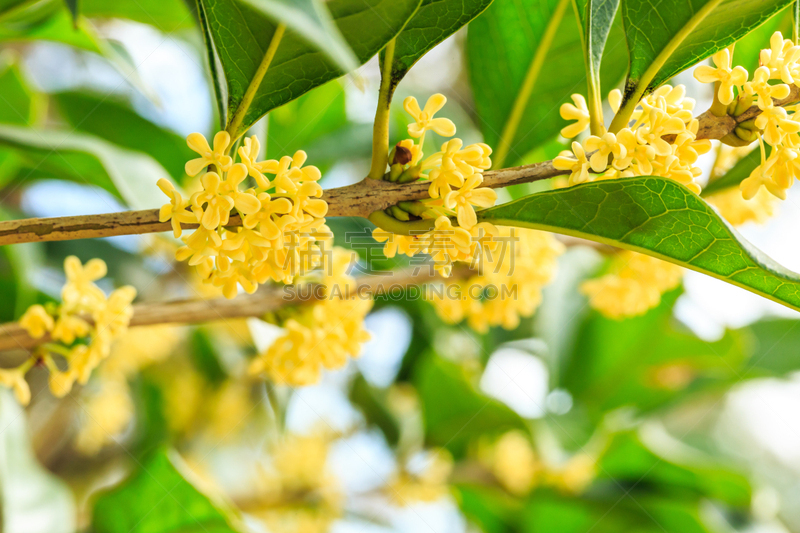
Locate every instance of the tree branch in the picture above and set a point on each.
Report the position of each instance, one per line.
(266, 299)
(357, 200)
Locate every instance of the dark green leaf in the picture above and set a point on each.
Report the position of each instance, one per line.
(374, 409)
(158, 499)
(116, 122)
(663, 42)
(241, 35)
(454, 411)
(657, 217)
(87, 159)
(512, 50)
(72, 5)
(741, 170)
(434, 21)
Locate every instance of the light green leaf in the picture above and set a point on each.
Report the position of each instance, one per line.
(87, 159)
(513, 50)
(53, 24)
(116, 122)
(166, 15)
(33, 500)
(241, 35)
(158, 499)
(312, 21)
(748, 47)
(72, 5)
(740, 171)
(663, 41)
(657, 217)
(775, 343)
(455, 412)
(434, 21)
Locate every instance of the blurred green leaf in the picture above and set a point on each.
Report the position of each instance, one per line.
(166, 15)
(646, 361)
(33, 499)
(454, 411)
(374, 409)
(631, 463)
(87, 159)
(19, 105)
(72, 5)
(657, 217)
(664, 42)
(48, 21)
(204, 356)
(241, 35)
(512, 50)
(775, 347)
(489, 507)
(114, 121)
(748, 47)
(741, 170)
(299, 123)
(434, 21)
(158, 499)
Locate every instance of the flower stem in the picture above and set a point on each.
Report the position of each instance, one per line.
(380, 130)
(255, 83)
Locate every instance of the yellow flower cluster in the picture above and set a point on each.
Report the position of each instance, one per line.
(775, 125)
(82, 328)
(508, 283)
(737, 210)
(321, 335)
(455, 175)
(633, 285)
(298, 492)
(425, 484)
(283, 218)
(640, 149)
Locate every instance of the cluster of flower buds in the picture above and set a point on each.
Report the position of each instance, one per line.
(322, 335)
(81, 329)
(282, 216)
(641, 148)
(455, 176)
(775, 125)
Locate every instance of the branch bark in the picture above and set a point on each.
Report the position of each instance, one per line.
(357, 200)
(266, 299)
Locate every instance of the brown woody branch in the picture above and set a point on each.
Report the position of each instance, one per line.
(267, 299)
(357, 200)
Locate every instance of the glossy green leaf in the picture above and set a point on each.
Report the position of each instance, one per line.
(647, 362)
(434, 21)
(741, 170)
(115, 121)
(158, 499)
(748, 47)
(657, 217)
(663, 42)
(313, 22)
(241, 34)
(87, 159)
(455, 413)
(596, 18)
(513, 50)
(166, 15)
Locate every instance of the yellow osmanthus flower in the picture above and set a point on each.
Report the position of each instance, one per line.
(512, 461)
(322, 335)
(634, 285)
(14, 379)
(68, 324)
(423, 118)
(736, 210)
(579, 113)
(427, 483)
(574, 476)
(284, 230)
(728, 78)
(511, 269)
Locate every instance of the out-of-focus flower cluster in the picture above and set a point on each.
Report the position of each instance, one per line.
(641, 148)
(508, 282)
(81, 329)
(282, 213)
(455, 174)
(321, 335)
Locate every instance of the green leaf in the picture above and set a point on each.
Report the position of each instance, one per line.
(158, 499)
(87, 159)
(115, 121)
(312, 21)
(596, 18)
(663, 42)
(512, 49)
(775, 347)
(19, 103)
(454, 411)
(741, 170)
(241, 34)
(748, 47)
(434, 21)
(657, 217)
(49, 23)
(374, 409)
(647, 361)
(72, 5)
(166, 15)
